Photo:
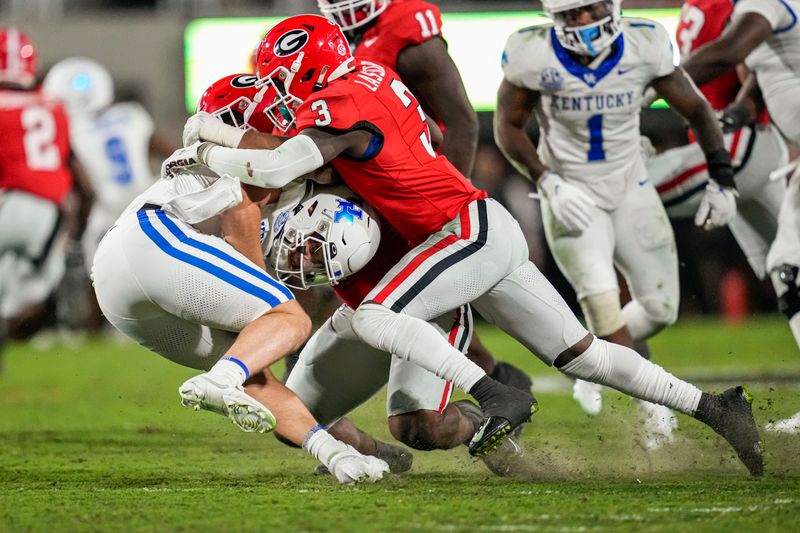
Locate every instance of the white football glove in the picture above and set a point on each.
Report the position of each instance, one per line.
(350, 466)
(571, 206)
(203, 126)
(184, 160)
(717, 208)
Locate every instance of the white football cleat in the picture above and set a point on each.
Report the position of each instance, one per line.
(658, 423)
(247, 413)
(589, 396)
(789, 425)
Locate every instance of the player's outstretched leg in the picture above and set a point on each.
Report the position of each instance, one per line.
(729, 414)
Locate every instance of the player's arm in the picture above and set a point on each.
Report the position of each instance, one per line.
(514, 107)
(731, 48)
(429, 71)
(718, 205)
(294, 158)
(241, 225)
(683, 97)
(749, 103)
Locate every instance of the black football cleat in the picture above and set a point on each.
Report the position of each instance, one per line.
(504, 410)
(730, 414)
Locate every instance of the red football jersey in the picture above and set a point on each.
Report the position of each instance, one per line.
(404, 23)
(34, 145)
(703, 21)
(413, 188)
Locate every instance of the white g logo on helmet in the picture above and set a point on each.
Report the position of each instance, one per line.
(290, 42)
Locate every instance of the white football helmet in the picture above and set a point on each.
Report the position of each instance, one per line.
(325, 239)
(585, 39)
(351, 14)
(84, 85)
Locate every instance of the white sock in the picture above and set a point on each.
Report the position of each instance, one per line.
(322, 445)
(230, 370)
(623, 369)
(417, 341)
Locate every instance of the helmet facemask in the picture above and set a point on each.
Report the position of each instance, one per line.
(233, 114)
(352, 14)
(592, 38)
(305, 259)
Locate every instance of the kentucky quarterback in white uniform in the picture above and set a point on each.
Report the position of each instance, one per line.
(584, 77)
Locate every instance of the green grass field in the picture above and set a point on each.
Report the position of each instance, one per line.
(93, 438)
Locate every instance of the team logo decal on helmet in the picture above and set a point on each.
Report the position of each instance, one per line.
(291, 42)
(346, 211)
(244, 81)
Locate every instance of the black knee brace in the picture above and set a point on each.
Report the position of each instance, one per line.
(789, 301)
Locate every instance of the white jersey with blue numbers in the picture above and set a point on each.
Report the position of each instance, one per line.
(776, 62)
(114, 149)
(589, 116)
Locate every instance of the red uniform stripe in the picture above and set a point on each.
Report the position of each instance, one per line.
(681, 178)
(448, 386)
(418, 260)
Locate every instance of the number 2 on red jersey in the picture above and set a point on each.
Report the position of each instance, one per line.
(38, 139)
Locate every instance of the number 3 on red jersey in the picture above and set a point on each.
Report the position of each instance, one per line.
(401, 91)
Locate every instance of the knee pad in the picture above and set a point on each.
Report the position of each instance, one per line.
(602, 312)
(789, 299)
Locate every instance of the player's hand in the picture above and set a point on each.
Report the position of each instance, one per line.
(191, 130)
(350, 466)
(571, 206)
(717, 207)
(184, 159)
(734, 117)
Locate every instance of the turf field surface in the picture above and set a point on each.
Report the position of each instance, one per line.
(93, 439)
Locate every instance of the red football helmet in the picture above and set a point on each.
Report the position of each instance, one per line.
(17, 58)
(229, 98)
(297, 57)
(351, 14)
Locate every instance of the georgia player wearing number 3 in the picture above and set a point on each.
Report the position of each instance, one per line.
(35, 178)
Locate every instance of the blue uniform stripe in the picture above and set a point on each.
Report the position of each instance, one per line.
(194, 243)
(160, 241)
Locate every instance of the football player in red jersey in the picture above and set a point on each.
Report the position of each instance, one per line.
(36, 175)
(406, 36)
(359, 116)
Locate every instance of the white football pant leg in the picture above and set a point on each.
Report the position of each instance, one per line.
(646, 255)
(180, 293)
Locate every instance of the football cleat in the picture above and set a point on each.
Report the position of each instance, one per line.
(658, 423)
(589, 396)
(246, 413)
(504, 410)
(730, 414)
(507, 460)
(790, 426)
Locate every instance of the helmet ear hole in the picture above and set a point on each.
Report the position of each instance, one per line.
(308, 75)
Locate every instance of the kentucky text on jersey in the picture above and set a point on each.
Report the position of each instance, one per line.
(591, 102)
(370, 76)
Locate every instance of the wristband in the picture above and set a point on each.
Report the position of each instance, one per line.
(720, 169)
